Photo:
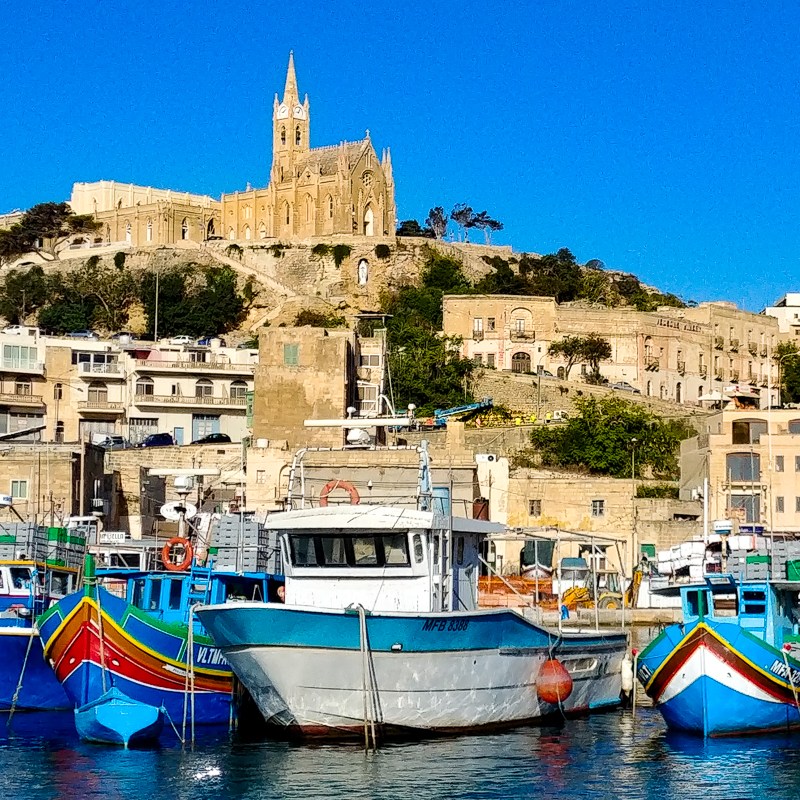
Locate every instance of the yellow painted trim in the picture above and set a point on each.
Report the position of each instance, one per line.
(88, 600)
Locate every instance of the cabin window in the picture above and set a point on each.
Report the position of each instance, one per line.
(155, 595)
(175, 593)
(460, 550)
(725, 605)
(418, 548)
(303, 551)
(365, 553)
(138, 594)
(395, 550)
(695, 603)
(333, 551)
(753, 602)
(2, 584)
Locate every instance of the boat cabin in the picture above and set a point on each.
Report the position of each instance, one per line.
(768, 610)
(386, 558)
(27, 589)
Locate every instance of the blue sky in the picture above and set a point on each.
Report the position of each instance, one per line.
(660, 138)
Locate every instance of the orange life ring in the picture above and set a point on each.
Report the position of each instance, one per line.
(166, 552)
(338, 484)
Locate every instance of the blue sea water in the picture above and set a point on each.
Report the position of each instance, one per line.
(605, 756)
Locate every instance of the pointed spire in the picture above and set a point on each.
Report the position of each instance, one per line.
(290, 95)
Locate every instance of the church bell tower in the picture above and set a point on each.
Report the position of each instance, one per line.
(290, 128)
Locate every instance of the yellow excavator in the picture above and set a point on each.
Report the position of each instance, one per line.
(616, 599)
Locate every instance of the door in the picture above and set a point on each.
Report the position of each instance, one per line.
(203, 424)
(177, 434)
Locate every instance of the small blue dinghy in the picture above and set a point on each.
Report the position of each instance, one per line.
(114, 718)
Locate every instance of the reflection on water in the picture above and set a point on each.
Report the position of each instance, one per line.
(606, 756)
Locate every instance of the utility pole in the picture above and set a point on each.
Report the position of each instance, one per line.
(635, 554)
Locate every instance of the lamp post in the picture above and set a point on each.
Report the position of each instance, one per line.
(635, 555)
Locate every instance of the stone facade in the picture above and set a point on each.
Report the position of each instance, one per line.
(321, 191)
(672, 354)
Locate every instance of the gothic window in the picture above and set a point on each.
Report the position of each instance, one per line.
(283, 134)
(262, 231)
(231, 233)
(297, 136)
(248, 212)
(368, 222)
(210, 229)
(203, 388)
(108, 233)
(247, 232)
(366, 179)
(238, 390)
(363, 272)
(119, 204)
(286, 212)
(149, 235)
(309, 208)
(330, 207)
(185, 228)
(128, 234)
(144, 387)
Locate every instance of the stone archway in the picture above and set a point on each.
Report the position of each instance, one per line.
(520, 362)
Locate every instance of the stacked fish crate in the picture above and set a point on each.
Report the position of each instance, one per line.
(786, 559)
(241, 543)
(23, 541)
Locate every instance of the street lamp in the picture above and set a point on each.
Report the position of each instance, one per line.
(633, 505)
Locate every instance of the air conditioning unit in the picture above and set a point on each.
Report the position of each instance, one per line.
(485, 458)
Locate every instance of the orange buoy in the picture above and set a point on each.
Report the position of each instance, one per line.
(554, 684)
(337, 484)
(177, 543)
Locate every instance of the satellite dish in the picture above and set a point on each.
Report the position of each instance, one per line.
(173, 510)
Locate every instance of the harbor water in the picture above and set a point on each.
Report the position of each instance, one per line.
(605, 756)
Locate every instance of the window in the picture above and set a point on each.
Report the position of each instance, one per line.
(98, 392)
(238, 390)
(367, 550)
(477, 359)
(519, 326)
(598, 508)
(149, 231)
(779, 505)
(367, 398)
(128, 233)
(22, 386)
(797, 505)
(297, 136)
(477, 324)
(520, 362)
(748, 431)
(794, 426)
(395, 549)
(19, 490)
(778, 463)
(333, 550)
(261, 476)
(247, 234)
(155, 595)
(418, 548)
(743, 467)
(144, 387)
(490, 324)
(175, 587)
(16, 357)
(291, 355)
(58, 391)
(490, 360)
(797, 463)
(203, 388)
(330, 207)
(370, 360)
(749, 503)
(185, 228)
(535, 508)
(460, 550)
(283, 134)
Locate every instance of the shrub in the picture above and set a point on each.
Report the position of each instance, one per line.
(383, 251)
(92, 261)
(658, 490)
(321, 250)
(319, 319)
(233, 250)
(277, 249)
(119, 260)
(340, 253)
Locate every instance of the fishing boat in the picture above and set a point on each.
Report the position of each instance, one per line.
(147, 643)
(380, 633)
(732, 665)
(38, 566)
(114, 718)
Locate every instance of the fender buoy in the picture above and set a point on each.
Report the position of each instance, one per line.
(166, 554)
(337, 484)
(554, 683)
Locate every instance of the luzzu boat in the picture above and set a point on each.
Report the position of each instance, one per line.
(143, 644)
(380, 632)
(116, 719)
(730, 667)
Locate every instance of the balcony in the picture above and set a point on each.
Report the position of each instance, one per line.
(735, 376)
(719, 376)
(100, 407)
(204, 367)
(734, 345)
(682, 367)
(703, 370)
(752, 348)
(651, 363)
(719, 343)
(763, 351)
(189, 401)
(477, 336)
(522, 336)
(23, 399)
(22, 367)
(108, 371)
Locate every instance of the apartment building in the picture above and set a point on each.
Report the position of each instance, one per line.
(751, 460)
(66, 390)
(676, 354)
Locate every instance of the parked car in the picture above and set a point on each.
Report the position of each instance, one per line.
(545, 373)
(181, 340)
(21, 330)
(624, 386)
(250, 344)
(122, 335)
(114, 442)
(157, 440)
(213, 438)
(83, 335)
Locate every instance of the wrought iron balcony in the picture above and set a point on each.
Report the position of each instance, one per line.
(477, 336)
(652, 363)
(719, 342)
(188, 400)
(703, 370)
(734, 345)
(21, 399)
(522, 336)
(100, 406)
(682, 367)
(752, 348)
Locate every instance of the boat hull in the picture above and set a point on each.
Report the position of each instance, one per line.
(117, 719)
(434, 673)
(717, 679)
(146, 661)
(40, 689)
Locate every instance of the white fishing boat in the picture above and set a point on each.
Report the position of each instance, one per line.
(381, 632)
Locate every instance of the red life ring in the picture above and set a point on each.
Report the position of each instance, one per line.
(338, 484)
(166, 553)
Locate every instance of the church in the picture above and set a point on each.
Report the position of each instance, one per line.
(342, 189)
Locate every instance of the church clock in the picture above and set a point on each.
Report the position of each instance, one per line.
(299, 112)
(283, 112)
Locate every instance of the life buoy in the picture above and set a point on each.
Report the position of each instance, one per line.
(166, 554)
(338, 484)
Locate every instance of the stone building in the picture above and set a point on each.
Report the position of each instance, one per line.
(676, 354)
(341, 189)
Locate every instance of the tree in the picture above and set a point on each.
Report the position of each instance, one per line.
(591, 348)
(595, 349)
(114, 290)
(485, 223)
(410, 227)
(22, 293)
(556, 275)
(787, 357)
(437, 222)
(502, 280)
(570, 348)
(600, 437)
(42, 230)
(463, 216)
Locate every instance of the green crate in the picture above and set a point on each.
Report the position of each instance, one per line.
(793, 570)
(6, 539)
(757, 559)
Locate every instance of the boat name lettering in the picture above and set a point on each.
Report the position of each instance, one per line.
(780, 669)
(644, 673)
(445, 625)
(209, 655)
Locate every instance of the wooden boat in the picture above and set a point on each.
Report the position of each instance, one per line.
(114, 718)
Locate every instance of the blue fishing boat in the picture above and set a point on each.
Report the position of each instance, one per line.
(731, 666)
(381, 635)
(114, 718)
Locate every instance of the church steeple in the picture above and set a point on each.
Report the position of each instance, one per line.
(290, 128)
(290, 95)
